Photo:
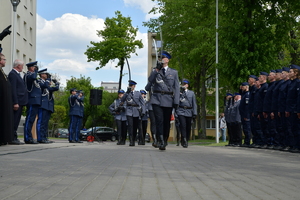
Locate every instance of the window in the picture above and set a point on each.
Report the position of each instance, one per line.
(210, 123)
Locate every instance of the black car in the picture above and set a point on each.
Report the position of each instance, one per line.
(61, 133)
(103, 133)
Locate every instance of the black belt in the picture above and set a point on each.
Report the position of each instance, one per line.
(185, 107)
(162, 92)
(133, 105)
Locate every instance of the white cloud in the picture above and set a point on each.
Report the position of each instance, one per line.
(61, 44)
(144, 5)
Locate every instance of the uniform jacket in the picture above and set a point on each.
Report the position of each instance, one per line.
(81, 102)
(47, 95)
(259, 98)
(235, 113)
(298, 97)
(227, 111)
(267, 104)
(275, 96)
(120, 115)
(147, 105)
(34, 88)
(291, 98)
(74, 103)
(165, 83)
(252, 91)
(244, 105)
(188, 100)
(282, 95)
(18, 88)
(134, 103)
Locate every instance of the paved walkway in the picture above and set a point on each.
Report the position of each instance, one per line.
(63, 171)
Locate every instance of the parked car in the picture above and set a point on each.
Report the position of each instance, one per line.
(103, 133)
(61, 133)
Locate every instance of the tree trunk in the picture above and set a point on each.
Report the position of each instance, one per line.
(121, 73)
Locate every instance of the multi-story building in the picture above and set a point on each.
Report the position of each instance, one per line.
(23, 22)
(111, 87)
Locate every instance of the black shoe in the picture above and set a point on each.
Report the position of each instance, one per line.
(50, 141)
(72, 141)
(162, 143)
(251, 145)
(15, 142)
(277, 147)
(228, 145)
(31, 142)
(270, 147)
(285, 149)
(43, 142)
(245, 145)
(185, 144)
(294, 150)
(263, 146)
(79, 141)
(236, 145)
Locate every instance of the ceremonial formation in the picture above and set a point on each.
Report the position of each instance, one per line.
(35, 92)
(267, 111)
(132, 109)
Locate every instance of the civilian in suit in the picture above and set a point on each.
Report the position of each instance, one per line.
(135, 108)
(165, 97)
(186, 111)
(19, 95)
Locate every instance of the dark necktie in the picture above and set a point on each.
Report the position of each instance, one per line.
(164, 71)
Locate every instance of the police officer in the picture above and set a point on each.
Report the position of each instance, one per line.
(245, 114)
(290, 110)
(274, 108)
(34, 88)
(135, 108)
(81, 104)
(236, 124)
(187, 110)
(153, 127)
(281, 108)
(144, 120)
(117, 109)
(74, 114)
(252, 90)
(165, 97)
(228, 118)
(267, 109)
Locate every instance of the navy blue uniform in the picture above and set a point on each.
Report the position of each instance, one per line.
(245, 116)
(252, 91)
(281, 110)
(274, 108)
(267, 109)
(74, 113)
(34, 88)
(291, 120)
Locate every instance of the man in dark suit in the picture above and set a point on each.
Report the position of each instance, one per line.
(19, 95)
(165, 97)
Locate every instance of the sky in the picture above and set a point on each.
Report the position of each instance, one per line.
(65, 29)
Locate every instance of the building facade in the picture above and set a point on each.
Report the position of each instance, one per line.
(23, 23)
(111, 87)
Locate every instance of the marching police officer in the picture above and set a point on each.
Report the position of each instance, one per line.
(75, 113)
(245, 114)
(34, 88)
(117, 108)
(135, 108)
(186, 111)
(165, 96)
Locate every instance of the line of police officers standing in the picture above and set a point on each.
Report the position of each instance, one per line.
(165, 98)
(268, 113)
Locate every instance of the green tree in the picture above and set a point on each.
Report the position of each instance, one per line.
(58, 118)
(189, 35)
(118, 43)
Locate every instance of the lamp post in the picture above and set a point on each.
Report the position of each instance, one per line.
(15, 4)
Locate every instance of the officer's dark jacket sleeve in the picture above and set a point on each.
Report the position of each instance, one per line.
(291, 99)
(148, 86)
(112, 108)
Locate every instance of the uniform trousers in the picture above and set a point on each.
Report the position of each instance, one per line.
(283, 133)
(259, 139)
(272, 132)
(162, 120)
(42, 124)
(32, 111)
(253, 129)
(121, 129)
(292, 127)
(185, 124)
(264, 129)
(277, 141)
(133, 123)
(17, 118)
(73, 128)
(152, 123)
(247, 131)
(229, 127)
(236, 133)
